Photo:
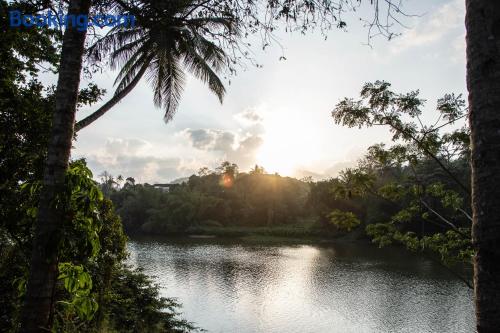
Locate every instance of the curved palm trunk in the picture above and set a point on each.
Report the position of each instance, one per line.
(112, 102)
(37, 312)
(483, 82)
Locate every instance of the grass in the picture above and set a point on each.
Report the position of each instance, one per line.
(305, 231)
(277, 234)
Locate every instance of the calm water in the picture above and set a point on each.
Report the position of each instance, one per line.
(335, 288)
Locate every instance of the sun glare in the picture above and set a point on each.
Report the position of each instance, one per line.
(288, 143)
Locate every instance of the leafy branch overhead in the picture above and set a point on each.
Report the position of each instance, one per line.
(379, 106)
(420, 177)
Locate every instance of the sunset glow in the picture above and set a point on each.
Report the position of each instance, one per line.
(289, 143)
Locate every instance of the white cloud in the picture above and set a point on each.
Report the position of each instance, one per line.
(134, 157)
(432, 27)
(234, 147)
(245, 154)
(239, 145)
(249, 116)
(210, 139)
(128, 146)
(188, 150)
(143, 168)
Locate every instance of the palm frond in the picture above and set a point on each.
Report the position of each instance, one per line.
(133, 69)
(168, 81)
(214, 23)
(121, 55)
(114, 39)
(212, 53)
(171, 36)
(199, 67)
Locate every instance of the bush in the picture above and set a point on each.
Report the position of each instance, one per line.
(211, 223)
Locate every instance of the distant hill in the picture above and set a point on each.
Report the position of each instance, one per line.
(300, 174)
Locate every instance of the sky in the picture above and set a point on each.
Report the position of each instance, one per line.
(279, 116)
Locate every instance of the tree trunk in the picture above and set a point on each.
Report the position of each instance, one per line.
(37, 312)
(112, 102)
(483, 82)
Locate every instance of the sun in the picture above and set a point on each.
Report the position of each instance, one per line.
(289, 143)
(275, 157)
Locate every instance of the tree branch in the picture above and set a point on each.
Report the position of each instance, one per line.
(112, 102)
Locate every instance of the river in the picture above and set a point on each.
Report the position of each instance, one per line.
(347, 287)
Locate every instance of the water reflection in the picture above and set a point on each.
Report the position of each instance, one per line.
(336, 288)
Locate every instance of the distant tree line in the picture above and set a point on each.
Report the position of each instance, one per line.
(213, 198)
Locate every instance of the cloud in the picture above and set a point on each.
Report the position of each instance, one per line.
(200, 138)
(249, 116)
(245, 154)
(239, 146)
(132, 157)
(128, 146)
(235, 147)
(210, 139)
(142, 168)
(432, 28)
(187, 151)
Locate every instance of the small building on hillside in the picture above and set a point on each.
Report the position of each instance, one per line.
(165, 187)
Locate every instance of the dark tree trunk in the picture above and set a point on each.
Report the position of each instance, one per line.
(37, 312)
(483, 82)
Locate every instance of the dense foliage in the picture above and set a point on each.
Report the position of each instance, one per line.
(96, 291)
(212, 199)
(419, 184)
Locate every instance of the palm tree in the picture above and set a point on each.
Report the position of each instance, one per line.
(482, 22)
(158, 49)
(167, 42)
(130, 181)
(36, 315)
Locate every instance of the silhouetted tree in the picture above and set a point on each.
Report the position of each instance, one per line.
(171, 38)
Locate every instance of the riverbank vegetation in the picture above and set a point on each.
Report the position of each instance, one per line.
(96, 289)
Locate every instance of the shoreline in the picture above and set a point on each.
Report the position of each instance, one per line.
(255, 235)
